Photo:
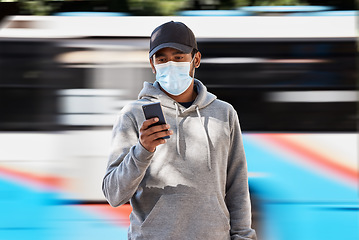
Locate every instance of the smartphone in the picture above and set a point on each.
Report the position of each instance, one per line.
(154, 110)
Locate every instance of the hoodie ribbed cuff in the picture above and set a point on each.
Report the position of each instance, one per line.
(141, 154)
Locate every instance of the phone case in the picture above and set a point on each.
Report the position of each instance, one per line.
(154, 110)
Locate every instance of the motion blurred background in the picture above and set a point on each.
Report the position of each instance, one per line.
(288, 67)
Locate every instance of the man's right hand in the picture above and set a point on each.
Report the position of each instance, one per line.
(152, 136)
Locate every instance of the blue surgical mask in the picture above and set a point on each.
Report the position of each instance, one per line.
(174, 77)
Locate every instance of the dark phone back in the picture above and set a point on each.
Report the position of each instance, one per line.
(154, 110)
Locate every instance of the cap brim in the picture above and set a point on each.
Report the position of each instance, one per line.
(181, 47)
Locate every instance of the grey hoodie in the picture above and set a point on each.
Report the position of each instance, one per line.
(195, 185)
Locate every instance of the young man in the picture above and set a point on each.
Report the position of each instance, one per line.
(193, 185)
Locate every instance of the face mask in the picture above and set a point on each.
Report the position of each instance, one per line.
(174, 77)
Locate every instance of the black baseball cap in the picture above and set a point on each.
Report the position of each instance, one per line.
(174, 35)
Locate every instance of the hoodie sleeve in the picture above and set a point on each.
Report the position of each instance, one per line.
(127, 164)
(237, 191)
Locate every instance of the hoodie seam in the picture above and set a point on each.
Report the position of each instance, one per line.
(138, 148)
(133, 122)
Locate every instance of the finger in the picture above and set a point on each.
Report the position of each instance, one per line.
(159, 141)
(149, 122)
(158, 128)
(151, 142)
(160, 134)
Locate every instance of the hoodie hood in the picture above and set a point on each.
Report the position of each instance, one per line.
(152, 92)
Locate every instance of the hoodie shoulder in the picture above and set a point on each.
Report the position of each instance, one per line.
(224, 104)
(224, 109)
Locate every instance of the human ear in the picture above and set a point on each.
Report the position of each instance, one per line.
(197, 59)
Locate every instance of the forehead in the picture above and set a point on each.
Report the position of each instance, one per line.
(168, 51)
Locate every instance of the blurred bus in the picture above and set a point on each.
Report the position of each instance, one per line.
(292, 80)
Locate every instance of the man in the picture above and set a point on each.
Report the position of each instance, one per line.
(193, 185)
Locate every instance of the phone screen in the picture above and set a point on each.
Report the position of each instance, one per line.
(154, 110)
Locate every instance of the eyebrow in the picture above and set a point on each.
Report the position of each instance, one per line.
(178, 52)
(160, 54)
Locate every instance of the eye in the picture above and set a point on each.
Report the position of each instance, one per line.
(161, 60)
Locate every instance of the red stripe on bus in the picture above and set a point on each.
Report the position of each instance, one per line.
(118, 215)
(27, 178)
(324, 162)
